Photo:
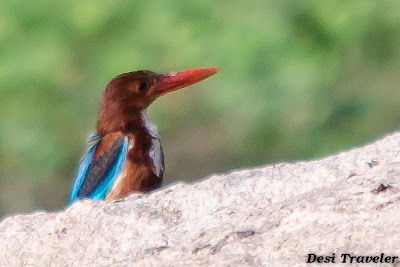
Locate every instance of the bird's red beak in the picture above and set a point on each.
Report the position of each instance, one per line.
(172, 81)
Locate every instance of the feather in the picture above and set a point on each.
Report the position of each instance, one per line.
(155, 152)
(87, 181)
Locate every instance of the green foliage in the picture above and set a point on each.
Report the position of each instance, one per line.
(297, 80)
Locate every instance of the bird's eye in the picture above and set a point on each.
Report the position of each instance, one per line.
(142, 87)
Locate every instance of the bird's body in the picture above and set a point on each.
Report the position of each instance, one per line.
(125, 154)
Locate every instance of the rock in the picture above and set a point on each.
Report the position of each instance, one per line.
(275, 215)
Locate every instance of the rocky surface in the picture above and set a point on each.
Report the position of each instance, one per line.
(274, 215)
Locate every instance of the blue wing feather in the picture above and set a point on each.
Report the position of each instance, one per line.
(101, 190)
(106, 182)
(83, 167)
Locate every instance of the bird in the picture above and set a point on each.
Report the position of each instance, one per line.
(124, 153)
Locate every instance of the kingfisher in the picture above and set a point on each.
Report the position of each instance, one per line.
(124, 154)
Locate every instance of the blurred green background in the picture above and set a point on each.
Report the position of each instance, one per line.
(297, 80)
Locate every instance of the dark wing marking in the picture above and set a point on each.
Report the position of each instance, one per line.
(96, 183)
(99, 167)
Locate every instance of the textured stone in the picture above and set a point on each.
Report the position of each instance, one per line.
(274, 215)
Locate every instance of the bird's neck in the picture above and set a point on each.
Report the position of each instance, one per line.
(130, 124)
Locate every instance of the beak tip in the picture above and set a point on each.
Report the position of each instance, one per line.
(213, 70)
(207, 71)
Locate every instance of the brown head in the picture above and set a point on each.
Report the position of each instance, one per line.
(128, 94)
